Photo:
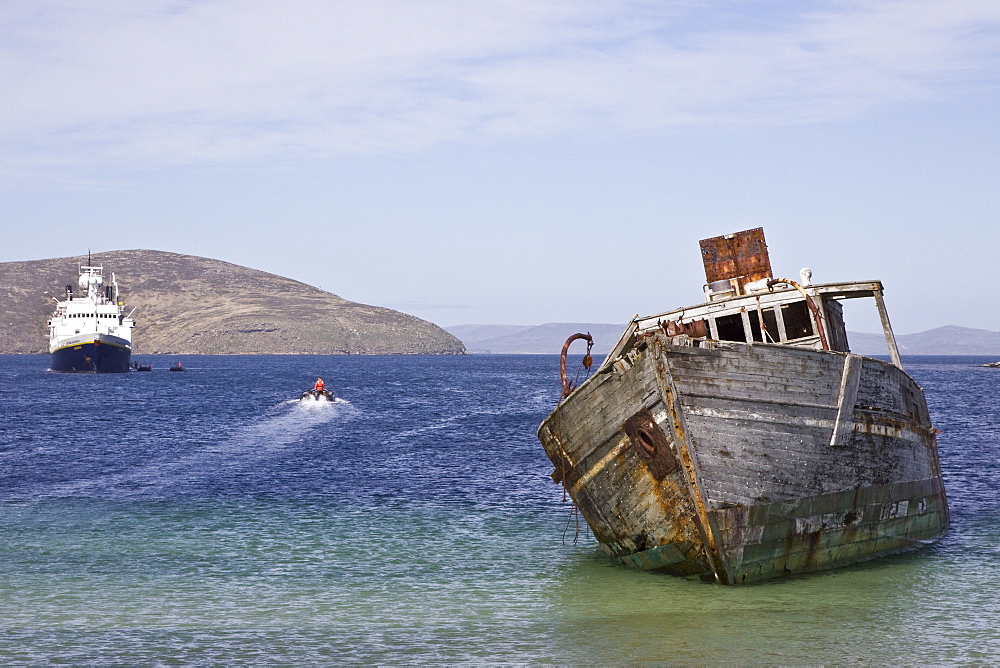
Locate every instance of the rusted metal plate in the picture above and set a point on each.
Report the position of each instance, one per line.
(695, 329)
(650, 444)
(742, 256)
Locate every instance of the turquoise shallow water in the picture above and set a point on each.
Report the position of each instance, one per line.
(206, 517)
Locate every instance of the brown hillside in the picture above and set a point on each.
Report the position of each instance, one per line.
(193, 305)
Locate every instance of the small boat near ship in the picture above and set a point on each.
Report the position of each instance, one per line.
(318, 395)
(141, 367)
(90, 332)
(178, 367)
(318, 392)
(740, 440)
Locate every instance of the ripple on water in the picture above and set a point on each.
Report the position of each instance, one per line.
(158, 518)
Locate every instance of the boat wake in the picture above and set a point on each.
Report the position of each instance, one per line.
(241, 454)
(312, 404)
(293, 419)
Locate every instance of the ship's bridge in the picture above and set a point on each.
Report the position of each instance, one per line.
(745, 303)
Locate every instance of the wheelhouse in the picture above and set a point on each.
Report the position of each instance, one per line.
(810, 316)
(745, 304)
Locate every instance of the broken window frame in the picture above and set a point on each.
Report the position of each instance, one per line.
(712, 309)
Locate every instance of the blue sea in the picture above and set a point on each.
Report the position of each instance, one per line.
(209, 517)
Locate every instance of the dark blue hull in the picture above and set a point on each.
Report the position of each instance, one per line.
(93, 357)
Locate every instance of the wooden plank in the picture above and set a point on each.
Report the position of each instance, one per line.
(890, 338)
(844, 421)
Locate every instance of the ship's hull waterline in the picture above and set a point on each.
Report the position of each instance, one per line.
(744, 462)
(93, 354)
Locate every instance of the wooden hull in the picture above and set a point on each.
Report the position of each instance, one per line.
(743, 462)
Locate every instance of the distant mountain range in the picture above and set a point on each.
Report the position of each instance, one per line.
(549, 338)
(534, 339)
(194, 305)
(948, 340)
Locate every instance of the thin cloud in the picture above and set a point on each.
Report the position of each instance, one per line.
(230, 81)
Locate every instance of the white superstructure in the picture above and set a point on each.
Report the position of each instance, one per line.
(89, 331)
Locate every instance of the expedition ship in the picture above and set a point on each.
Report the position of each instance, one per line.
(740, 439)
(90, 332)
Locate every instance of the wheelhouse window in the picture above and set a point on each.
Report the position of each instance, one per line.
(730, 328)
(769, 334)
(787, 322)
(798, 323)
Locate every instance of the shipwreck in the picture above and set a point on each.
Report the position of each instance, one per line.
(740, 440)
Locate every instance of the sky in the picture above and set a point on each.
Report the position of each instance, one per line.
(515, 161)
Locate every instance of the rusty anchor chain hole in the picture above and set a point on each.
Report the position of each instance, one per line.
(646, 441)
(651, 444)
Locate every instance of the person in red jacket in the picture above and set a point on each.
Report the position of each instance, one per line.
(320, 385)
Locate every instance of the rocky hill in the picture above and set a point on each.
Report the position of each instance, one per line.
(194, 305)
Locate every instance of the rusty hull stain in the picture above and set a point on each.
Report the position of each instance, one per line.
(650, 444)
